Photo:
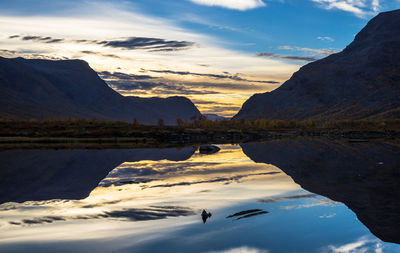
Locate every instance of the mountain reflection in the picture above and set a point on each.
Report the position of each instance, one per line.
(67, 174)
(363, 176)
(131, 193)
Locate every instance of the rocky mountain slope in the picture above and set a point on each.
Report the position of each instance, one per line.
(361, 82)
(71, 89)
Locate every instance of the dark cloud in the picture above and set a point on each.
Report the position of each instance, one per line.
(132, 82)
(153, 213)
(101, 204)
(247, 214)
(150, 44)
(123, 76)
(221, 179)
(126, 82)
(298, 196)
(5, 51)
(221, 108)
(38, 38)
(133, 43)
(130, 214)
(42, 220)
(217, 76)
(54, 40)
(157, 88)
(101, 54)
(286, 57)
(204, 102)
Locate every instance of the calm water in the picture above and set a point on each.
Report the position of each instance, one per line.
(277, 196)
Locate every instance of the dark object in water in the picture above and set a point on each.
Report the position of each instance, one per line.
(247, 214)
(205, 216)
(243, 213)
(252, 214)
(209, 149)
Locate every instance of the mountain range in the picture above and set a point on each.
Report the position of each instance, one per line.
(38, 89)
(361, 82)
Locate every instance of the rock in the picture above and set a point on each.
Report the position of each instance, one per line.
(209, 149)
(205, 215)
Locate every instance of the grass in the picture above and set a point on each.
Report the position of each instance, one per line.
(82, 132)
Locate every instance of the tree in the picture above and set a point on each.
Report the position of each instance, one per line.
(160, 122)
(136, 122)
(180, 122)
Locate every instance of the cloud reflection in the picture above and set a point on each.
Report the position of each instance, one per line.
(243, 249)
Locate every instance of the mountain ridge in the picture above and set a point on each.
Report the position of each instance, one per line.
(38, 89)
(361, 82)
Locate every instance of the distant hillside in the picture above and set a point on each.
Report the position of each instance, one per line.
(71, 89)
(361, 82)
(214, 117)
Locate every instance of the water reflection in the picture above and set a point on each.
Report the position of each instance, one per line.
(151, 200)
(364, 176)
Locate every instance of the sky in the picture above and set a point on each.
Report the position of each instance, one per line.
(216, 52)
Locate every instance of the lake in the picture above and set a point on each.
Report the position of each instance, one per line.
(288, 195)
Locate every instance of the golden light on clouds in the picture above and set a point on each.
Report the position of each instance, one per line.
(93, 32)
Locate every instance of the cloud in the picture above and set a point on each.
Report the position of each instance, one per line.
(235, 77)
(153, 213)
(360, 8)
(242, 249)
(106, 30)
(102, 54)
(133, 43)
(362, 244)
(123, 76)
(325, 38)
(290, 197)
(241, 5)
(129, 214)
(146, 84)
(286, 57)
(150, 44)
(327, 216)
(320, 202)
(46, 39)
(215, 180)
(138, 83)
(314, 52)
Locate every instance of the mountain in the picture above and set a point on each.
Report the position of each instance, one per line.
(69, 174)
(363, 176)
(214, 117)
(361, 82)
(71, 89)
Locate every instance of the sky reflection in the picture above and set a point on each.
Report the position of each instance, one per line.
(153, 206)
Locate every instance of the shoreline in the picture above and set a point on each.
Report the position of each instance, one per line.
(7, 143)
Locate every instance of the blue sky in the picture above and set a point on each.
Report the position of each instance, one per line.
(232, 48)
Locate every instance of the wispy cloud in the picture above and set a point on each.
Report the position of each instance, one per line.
(362, 244)
(325, 38)
(44, 39)
(286, 57)
(133, 43)
(122, 39)
(360, 8)
(151, 44)
(243, 249)
(312, 51)
(232, 4)
(235, 77)
(128, 214)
